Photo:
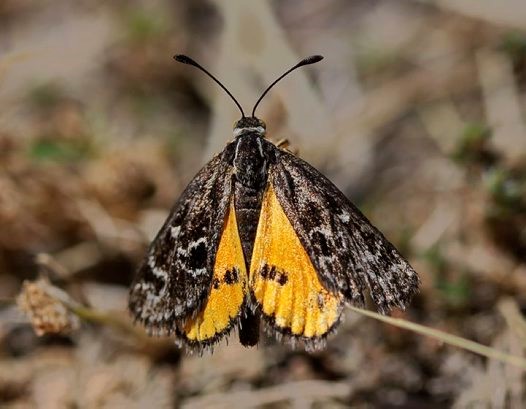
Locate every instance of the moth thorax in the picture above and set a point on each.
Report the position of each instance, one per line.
(251, 125)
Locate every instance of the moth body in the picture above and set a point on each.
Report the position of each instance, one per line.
(260, 235)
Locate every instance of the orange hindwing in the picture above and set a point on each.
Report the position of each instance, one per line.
(227, 293)
(283, 281)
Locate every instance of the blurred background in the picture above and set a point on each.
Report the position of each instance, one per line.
(416, 113)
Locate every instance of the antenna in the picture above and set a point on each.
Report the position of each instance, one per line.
(187, 60)
(309, 60)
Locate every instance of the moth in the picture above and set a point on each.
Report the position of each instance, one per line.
(260, 235)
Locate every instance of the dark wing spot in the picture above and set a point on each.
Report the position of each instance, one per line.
(198, 255)
(231, 276)
(149, 277)
(265, 272)
(272, 273)
(282, 278)
(321, 240)
(216, 283)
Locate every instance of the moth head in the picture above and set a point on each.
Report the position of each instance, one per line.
(250, 125)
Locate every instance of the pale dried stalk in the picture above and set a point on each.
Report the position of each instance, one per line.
(450, 339)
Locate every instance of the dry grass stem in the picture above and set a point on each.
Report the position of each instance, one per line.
(449, 339)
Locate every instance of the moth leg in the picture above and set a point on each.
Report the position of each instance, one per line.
(283, 143)
(286, 145)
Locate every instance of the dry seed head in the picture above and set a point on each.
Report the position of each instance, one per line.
(46, 313)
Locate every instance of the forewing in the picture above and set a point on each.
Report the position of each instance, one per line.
(349, 253)
(175, 278)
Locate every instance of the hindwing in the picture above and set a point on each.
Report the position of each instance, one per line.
(284, 283)
(227, 294)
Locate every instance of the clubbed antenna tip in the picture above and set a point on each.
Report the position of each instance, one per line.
(306, 61)
(187, 60)
(310, 60)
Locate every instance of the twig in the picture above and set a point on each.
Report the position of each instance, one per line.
(92, 315)
(7, 301)
(50, 266)
(108, 319)
(306, 391)
(106, 227)
(510, 311)
(510, 13)
(502, 103)
(447, 338)
(8, 61)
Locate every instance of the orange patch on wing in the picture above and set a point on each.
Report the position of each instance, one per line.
(228, 289)
(283, 280)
